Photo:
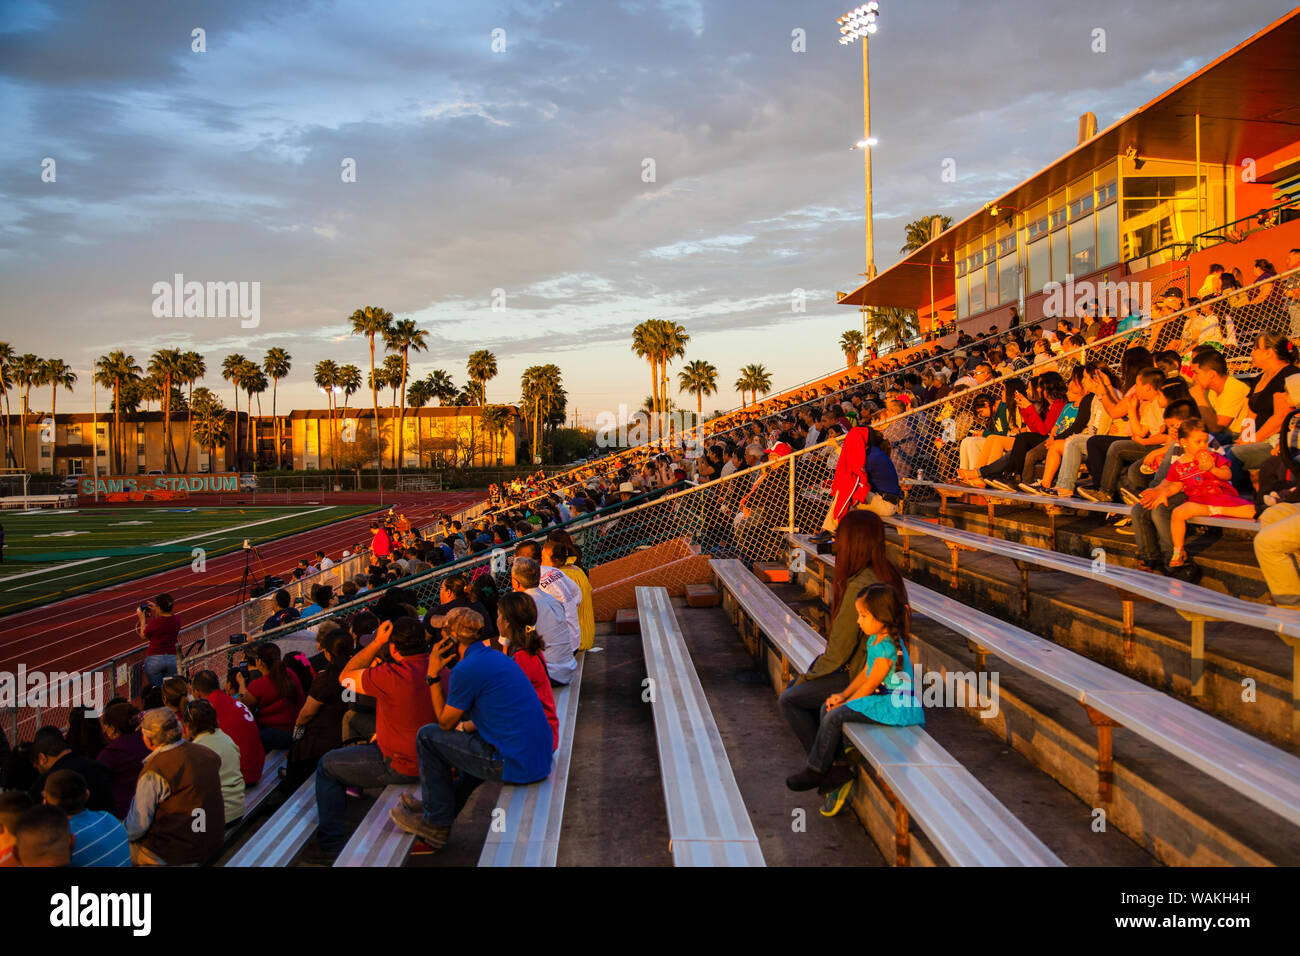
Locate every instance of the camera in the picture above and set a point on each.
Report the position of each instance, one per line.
(247, 546)
(144, 608)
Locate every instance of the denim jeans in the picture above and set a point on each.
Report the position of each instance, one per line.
(829, 742)
(274, 739)
(1118, 456)
(440, 750)
(1068, 474)
(158, 667)
(362, 766)
(1246, 458)
(801, 704)
(1155, 542)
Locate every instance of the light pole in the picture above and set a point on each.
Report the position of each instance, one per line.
(858, 24)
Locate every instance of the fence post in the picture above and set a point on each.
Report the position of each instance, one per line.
(789, 462)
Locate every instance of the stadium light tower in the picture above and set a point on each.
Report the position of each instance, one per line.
(859, 24)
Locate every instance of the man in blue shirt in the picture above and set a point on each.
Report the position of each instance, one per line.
(491, 726)
(99, 839)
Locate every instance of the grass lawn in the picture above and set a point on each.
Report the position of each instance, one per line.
(52, 554)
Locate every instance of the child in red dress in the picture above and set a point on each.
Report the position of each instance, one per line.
(1202, 475)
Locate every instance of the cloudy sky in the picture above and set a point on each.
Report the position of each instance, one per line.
(521, 169)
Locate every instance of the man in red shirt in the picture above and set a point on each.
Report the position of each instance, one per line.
(402, 706)
(235, 721)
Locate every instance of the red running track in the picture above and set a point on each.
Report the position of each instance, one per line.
(84, 631)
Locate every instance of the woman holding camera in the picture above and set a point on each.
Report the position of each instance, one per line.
(160, 628)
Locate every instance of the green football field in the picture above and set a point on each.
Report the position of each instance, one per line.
(52, 554)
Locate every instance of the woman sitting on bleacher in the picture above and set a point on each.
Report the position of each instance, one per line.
(860, 561)
(882, 693)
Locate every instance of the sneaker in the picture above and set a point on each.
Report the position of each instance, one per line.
(1129, 497)
(317, 855)
(436, 837)
(1035, 489)
(1001, 485)
(805, 779)
(836, 799)
(1123, 522)
(1092, 494)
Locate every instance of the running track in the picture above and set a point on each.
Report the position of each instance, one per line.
(81, 632)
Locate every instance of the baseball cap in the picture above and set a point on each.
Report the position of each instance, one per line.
(458, 622)
(780, 449)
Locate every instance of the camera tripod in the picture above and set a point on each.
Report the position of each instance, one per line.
(251, 554)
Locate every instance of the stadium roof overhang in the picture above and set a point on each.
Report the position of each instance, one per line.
(1249, 107)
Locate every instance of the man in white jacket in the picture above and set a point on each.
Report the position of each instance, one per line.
(552, 625)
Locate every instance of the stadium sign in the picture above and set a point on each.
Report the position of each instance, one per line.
(113, 484)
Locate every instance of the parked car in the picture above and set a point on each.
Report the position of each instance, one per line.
(248, 482)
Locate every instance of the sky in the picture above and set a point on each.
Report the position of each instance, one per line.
(533, 178)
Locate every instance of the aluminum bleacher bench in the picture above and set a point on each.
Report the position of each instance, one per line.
(280, 838)
(1257, 770)
(964, 821)
(708, 824)
(1194, 603)
(257, 794)
(1053, 505)
(526, 821)
(378, 841)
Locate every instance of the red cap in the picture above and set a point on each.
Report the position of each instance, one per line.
(780, 449)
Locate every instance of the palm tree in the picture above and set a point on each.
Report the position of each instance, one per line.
(7, 357)
(543, 388)
(348, 379)
(371, 321)
(699, 378)
(232, 367)
(56, 373)
(391, 373)
(193, 368)
(917, 233)
(760, 380)
(496, 421)
(441, 386)
(851, 343)
(255, 383)
(672, 345)
(165, 367)
(482, 368)
(403, 337)
(209, 417)
(117, 371)
(276, 365)
(326, 376)
(645, 343)
(893, 326)
(27, 372)
(417, 396)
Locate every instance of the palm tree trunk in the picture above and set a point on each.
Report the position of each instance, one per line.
(189, 423)
(237, 446)
(374, 398)
(279, 462)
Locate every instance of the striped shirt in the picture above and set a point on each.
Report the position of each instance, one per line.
(99, 839)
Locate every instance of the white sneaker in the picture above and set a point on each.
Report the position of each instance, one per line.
(1129, 497)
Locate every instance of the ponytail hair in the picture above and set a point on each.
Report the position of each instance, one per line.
(268, 655)
(891, 610)
(519, 612)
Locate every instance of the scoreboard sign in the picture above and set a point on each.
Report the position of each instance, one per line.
(111, 484)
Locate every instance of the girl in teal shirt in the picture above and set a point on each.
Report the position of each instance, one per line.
(883, 693)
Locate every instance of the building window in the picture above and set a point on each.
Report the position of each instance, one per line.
(75, 467)
(1040, 269)
(1108, 235)
(74, 434)
(1083, 246)
(976, 292)
(1060, 255)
